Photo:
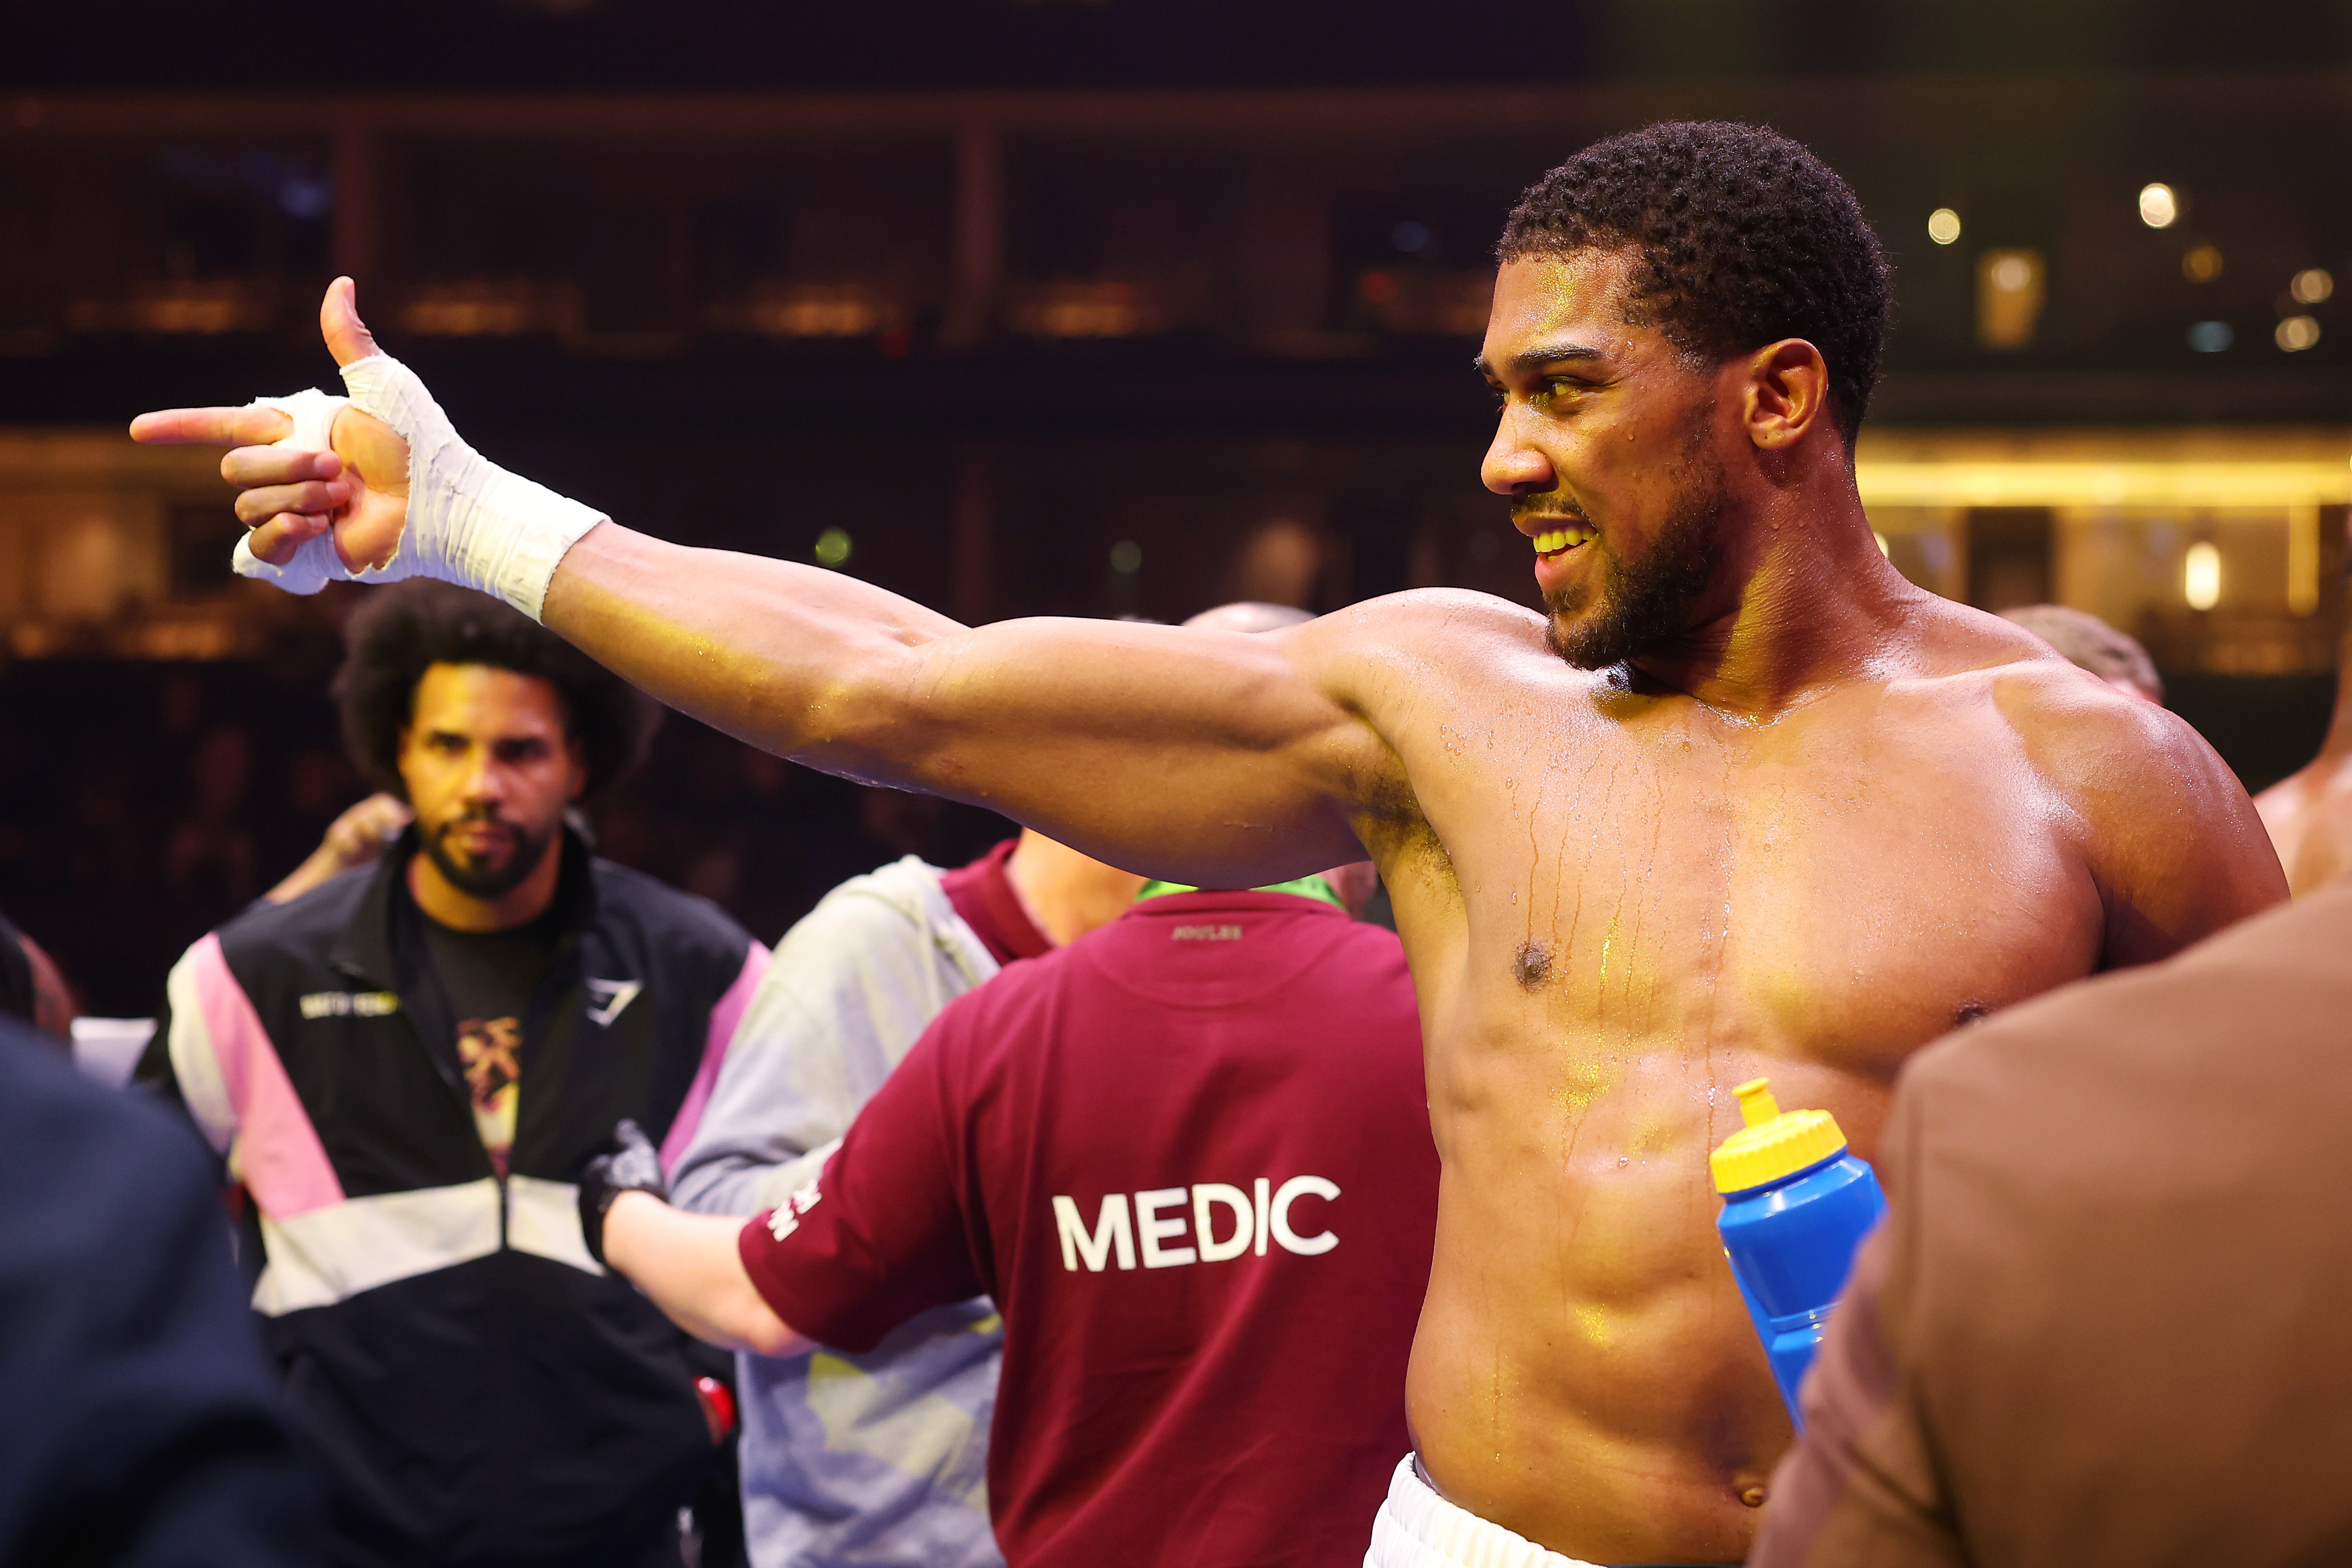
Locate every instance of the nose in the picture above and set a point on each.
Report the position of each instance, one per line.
(483, 779)
(1512, 467)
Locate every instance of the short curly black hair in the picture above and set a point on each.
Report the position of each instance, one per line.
(398, 633)
(1745, 237)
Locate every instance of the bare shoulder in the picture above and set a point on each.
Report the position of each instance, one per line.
(2163, 827)
(1454, 626)
(1407, 665)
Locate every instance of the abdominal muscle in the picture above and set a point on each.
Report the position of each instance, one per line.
(1584, 1372)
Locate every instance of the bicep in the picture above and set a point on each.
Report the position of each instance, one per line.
(1214, 757)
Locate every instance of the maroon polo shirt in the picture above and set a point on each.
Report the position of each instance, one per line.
(982, 894)
(1189, 1156)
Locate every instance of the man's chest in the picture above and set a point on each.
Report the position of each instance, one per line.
(398, 1084)
(1840, 890)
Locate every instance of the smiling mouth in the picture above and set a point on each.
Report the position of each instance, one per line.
(1561, 541)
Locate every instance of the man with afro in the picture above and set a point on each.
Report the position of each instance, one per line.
(1739, 801)
(407, 1067)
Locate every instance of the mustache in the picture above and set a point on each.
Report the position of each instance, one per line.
(1529, 508)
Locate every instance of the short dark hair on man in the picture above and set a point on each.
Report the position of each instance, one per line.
(1745, 237)
(398, 633)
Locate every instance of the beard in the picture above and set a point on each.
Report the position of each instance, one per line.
(1635, 606)
(486, 880)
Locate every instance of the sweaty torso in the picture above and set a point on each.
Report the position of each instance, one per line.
(1617, 907)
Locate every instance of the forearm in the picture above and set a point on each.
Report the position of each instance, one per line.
(795, 659)
(686, 1264)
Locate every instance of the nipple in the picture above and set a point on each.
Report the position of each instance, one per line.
(1757, 1105)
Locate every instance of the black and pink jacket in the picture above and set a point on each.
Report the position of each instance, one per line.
(475, 1384)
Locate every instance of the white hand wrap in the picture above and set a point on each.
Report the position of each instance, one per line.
(315, 564)
(469, 521)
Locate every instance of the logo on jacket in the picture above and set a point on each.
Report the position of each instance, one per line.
(612, 995)
(350, 1004)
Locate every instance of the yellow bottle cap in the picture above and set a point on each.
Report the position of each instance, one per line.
(1774, 1143)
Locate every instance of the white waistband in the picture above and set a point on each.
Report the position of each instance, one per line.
(1415, 1527)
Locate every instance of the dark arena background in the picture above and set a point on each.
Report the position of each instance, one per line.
(1093, 309)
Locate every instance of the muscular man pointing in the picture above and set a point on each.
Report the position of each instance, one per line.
(1742, 800)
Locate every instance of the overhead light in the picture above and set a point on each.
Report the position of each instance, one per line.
(1127, 558)
(2297, 333)
(2211, 337)
(2202, 264)
(2200, 576)
(2159, 206)
(1409, 237)
(1943, 226)
(833, 547)
(2009, 298)
(2312, 285)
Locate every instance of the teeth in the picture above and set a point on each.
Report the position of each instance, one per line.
(1558, 539)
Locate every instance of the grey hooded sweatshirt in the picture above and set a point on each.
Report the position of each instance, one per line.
(877, 1461)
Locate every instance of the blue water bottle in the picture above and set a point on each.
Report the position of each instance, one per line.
(1796, 1204)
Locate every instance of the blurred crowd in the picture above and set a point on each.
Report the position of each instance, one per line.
(142, 804)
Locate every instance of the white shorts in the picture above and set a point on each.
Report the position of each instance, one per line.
(1415, 1527)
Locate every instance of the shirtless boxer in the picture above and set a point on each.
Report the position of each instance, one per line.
(1742, 802)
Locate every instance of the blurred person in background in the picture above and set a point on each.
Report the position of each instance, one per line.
(406, 1067)
(2309, 812)
(881, 1458)
(1188, 1157)
(31, 986)
(358, 836)
(2088, 643)
(2104, 1324)
(142, 1424)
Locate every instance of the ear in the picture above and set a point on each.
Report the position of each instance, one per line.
(1787, 394)
(576, 750)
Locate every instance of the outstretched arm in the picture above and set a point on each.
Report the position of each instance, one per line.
(1216, 758)
(688, 1266)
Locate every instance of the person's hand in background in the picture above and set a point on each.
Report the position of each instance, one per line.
(357, 837)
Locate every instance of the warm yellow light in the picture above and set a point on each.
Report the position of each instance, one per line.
(1882, 543)
(2202, 264)
(2159, 206)
(2297, 333)
(2312, 285)
(2200, 576)
(2302, 559)
(2009, 298)
(1927, 480)
(1943, 226)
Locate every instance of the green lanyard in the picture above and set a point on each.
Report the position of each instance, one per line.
(1304, 886)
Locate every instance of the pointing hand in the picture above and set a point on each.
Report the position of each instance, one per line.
(289, 494)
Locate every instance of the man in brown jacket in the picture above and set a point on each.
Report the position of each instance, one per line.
(2109, 1317)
